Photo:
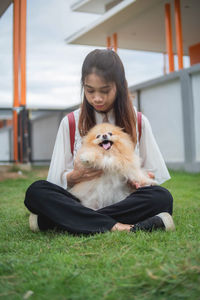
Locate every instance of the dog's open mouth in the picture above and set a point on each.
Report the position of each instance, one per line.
(106, 144)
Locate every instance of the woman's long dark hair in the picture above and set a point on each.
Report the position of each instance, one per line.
(108, 65)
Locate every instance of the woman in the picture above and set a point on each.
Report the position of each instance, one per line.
(106, 98)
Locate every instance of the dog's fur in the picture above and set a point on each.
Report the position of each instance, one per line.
(108, 148)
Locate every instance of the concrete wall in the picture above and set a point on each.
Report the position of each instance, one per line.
(172, 105)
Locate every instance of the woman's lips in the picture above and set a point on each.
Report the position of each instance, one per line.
(98, 107)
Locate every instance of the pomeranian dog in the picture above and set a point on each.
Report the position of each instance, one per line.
(109, 148)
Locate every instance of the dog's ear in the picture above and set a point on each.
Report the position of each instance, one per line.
(84, 139)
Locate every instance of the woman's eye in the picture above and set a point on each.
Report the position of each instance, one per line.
(90, 92)
(98, 136)
(105, 92)
(110, 133)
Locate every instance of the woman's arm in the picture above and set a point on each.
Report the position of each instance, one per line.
(151, 157)
(63, 171)
(62, 159)
(80, 173)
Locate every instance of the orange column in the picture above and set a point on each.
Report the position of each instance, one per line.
(23, 50)
(168, 29)
(179, 40)
(19, 71)
(22, 71)
(115, 44)
(108, 42)
(16, 18)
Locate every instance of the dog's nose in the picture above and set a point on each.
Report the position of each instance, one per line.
(104, 136)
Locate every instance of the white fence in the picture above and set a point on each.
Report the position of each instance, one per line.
(171, 103)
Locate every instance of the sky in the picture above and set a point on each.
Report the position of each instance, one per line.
(54, 67)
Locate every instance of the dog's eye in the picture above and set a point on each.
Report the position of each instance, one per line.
(110, 133)
(98, 136)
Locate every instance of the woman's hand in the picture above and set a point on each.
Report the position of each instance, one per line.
(81, 173)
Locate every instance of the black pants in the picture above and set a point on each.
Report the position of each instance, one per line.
(58, 209)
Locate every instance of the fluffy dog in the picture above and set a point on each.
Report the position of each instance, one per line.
(108, 148)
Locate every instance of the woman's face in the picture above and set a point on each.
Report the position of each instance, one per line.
(100, 94)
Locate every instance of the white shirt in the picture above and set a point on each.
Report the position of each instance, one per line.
(62, 159)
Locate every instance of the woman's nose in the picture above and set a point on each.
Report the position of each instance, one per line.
(97, 98)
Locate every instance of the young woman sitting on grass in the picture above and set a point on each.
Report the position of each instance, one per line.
(105, 97)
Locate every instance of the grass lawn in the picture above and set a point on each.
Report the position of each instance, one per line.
(118, 265)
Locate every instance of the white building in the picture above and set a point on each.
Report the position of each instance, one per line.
(171, 102)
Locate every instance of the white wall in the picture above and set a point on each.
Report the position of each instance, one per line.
(44, 132)
(5, 144)
(162, 106)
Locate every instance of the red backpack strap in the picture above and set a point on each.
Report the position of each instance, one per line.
(139, 123)
(72, 128)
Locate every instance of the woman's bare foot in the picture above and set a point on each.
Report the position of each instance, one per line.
(121, 227)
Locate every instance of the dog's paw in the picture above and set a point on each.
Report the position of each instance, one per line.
(142, 180)
(87, 158)
(148, 181)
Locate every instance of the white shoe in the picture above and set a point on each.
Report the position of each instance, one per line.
(167, 220)
(33, 222)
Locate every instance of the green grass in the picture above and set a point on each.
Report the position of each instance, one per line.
(116, 265)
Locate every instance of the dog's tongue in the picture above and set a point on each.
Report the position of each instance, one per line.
(107, 145)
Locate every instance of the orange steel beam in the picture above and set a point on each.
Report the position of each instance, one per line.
(179, 39)
(108, 42)
(16, 18)
(23, 50)
(168, 30)
(115, 44)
